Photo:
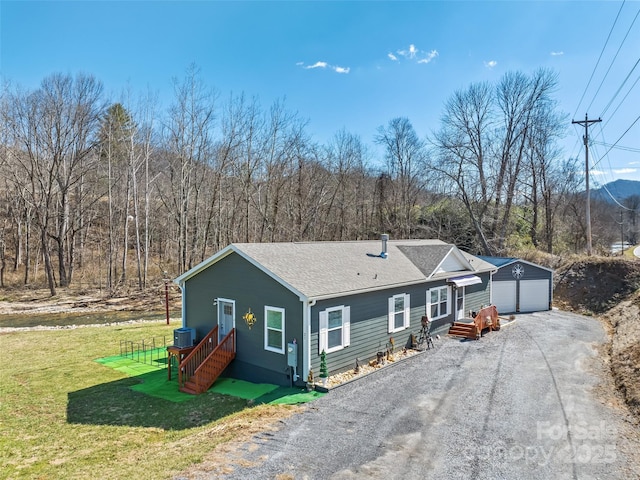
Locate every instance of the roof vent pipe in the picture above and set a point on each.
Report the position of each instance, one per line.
(385, 238)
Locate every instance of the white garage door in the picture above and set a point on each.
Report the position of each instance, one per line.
(534, 295)
(503, 295)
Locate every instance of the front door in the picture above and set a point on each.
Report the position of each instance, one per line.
(226, 317)
(459, 303)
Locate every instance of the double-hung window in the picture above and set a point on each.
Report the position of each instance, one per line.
(399, 312)
(335, 329)
(274, 329)
(438, 299)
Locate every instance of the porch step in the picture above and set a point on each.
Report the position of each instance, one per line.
(465, 330)
(197, 374)
(189, 387)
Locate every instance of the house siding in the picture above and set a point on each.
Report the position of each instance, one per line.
(236, 279)
(478, 295)
(370, 325)
(531, 272)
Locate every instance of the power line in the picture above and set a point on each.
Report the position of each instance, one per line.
(596, 155)
(619, 138)
(600, 57)
(622, 85)
(612, 62)
(617, 147)
(604, 187)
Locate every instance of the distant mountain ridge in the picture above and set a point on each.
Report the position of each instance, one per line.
(620, 189)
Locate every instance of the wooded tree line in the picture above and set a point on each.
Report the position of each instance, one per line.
(121, 191)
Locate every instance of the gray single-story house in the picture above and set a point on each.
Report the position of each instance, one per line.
(287, 302)
(520, 286)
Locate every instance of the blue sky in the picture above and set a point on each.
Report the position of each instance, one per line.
(352, 65)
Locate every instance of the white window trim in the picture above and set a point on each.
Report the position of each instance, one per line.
(392, 311)
(268, 308)
(323, 330)
(429, 303)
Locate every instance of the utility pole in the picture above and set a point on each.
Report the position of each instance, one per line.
(586, 122)
(621, 234)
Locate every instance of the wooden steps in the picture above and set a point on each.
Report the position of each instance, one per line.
(189, 387)
(486, 319)
(464, 330)
(202, 367)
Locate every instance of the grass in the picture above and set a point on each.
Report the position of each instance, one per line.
(64, 415)
(628, 253)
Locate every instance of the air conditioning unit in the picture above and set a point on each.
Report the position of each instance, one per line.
(184, 337)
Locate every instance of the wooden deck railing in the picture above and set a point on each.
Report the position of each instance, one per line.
(487, 318)
(215, 363)
(191, 362)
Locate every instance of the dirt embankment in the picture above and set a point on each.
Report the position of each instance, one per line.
(610, 289)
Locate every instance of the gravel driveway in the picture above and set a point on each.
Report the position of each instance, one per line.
(527, 402)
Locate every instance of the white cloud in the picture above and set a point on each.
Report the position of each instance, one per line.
(634, 163)
(413, 53)
(490, 64)
(623, 171)
(556, 54)
(430, 56)
(596, 172)
(317, 65)
(324, 65)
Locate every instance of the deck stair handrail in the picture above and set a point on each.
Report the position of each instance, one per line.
(191, 362)
(209, 371)
(201, 379)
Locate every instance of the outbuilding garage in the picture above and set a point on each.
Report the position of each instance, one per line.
(519, 286)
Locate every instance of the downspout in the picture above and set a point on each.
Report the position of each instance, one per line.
(306, 333)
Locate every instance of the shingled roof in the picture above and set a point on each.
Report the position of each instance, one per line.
(317, 270)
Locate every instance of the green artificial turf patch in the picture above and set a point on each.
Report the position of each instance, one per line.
(153, 382)
(241, 389)
(152, 377)
(289, 396)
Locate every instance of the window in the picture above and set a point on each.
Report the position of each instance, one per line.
(335, 329)
(274, 329)
(438, 299)
(399, 312)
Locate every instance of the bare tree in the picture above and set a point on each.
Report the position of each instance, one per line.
(406, 166)
(632, 204)
(461, 147)
(346, 157)
(188, 145)
(483, 144)
(54, 127)
(116, 130)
